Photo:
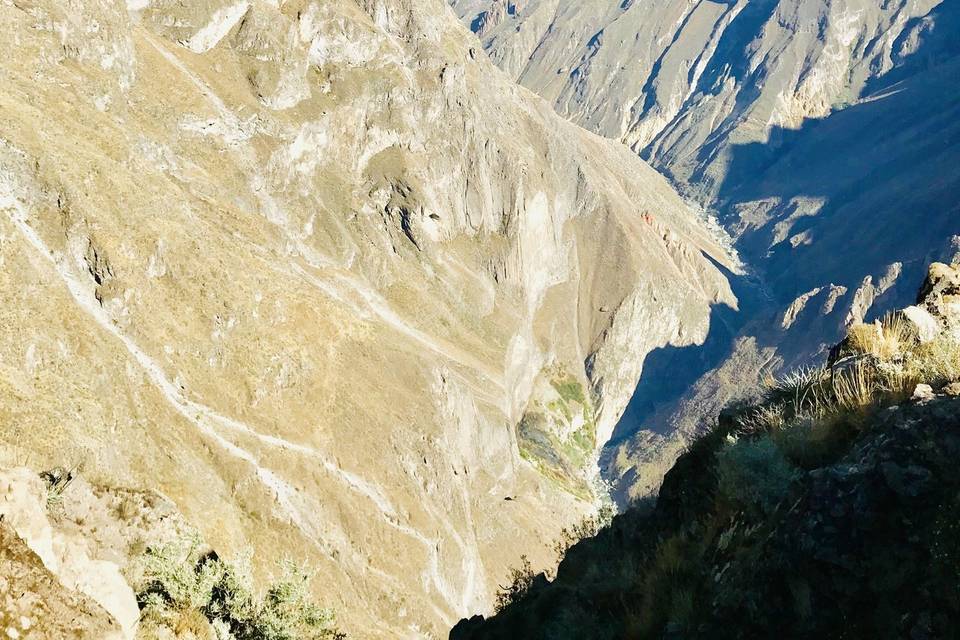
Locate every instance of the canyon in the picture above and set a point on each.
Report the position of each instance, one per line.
(820, 134)
(327, 282)
(401, 290)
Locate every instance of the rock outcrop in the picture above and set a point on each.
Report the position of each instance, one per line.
(35, 604)
(50, 586)
(302, 266)
(64, 558)
(78, 560)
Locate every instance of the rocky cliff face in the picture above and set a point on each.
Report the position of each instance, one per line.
(829, 509)
(305, 268)
(822, 134)
(683, 83)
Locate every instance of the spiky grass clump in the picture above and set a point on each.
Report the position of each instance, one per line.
(814, 394)
(812, 413)
(888, 339)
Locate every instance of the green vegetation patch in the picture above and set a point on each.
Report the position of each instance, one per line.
(187, 589)
(569, 388)
(562, 463)
(562, 460)
(830, 508)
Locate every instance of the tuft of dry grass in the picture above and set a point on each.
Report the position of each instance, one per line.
(812, 412)
(936, 362)
(765, 418)
(888, 339)
(816, 394)
(855, 387)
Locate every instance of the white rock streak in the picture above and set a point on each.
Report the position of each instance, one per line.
(219, 26)
(340, 285)
(294, 506)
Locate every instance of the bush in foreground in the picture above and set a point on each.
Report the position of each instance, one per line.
(521, 579)
(192, 592)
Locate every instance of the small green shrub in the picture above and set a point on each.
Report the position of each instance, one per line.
(754, 474)
(521, 579)
(183, 587)
(569, 388)
(588, 527)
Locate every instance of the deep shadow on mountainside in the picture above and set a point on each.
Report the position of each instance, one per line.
(837, 219)
(829, 508)
(823, 135)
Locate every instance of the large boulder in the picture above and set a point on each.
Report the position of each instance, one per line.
(922, 323)
(943, 282)
(940, 294)
(34, 603)
(67, 558)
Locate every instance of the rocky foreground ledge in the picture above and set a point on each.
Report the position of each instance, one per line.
(830, 507)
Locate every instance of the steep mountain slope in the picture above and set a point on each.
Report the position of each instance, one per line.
(828, 510)
(822, 134)
(305, 267)
(684, 82)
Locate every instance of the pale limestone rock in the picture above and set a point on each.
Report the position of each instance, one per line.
(923, 324)
(940, 295)
(34, 603)
(868, 292)
(797, 307)
(836, 292)
(23, 499)
(941, 285)
(922, 393)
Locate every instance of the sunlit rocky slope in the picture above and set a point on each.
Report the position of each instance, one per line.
(326, 279)
(822, 134)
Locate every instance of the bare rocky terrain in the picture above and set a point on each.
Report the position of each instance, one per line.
(324, 279)
(318, 280)
(822, 135)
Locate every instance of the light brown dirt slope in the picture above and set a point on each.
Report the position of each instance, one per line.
(302, 266)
